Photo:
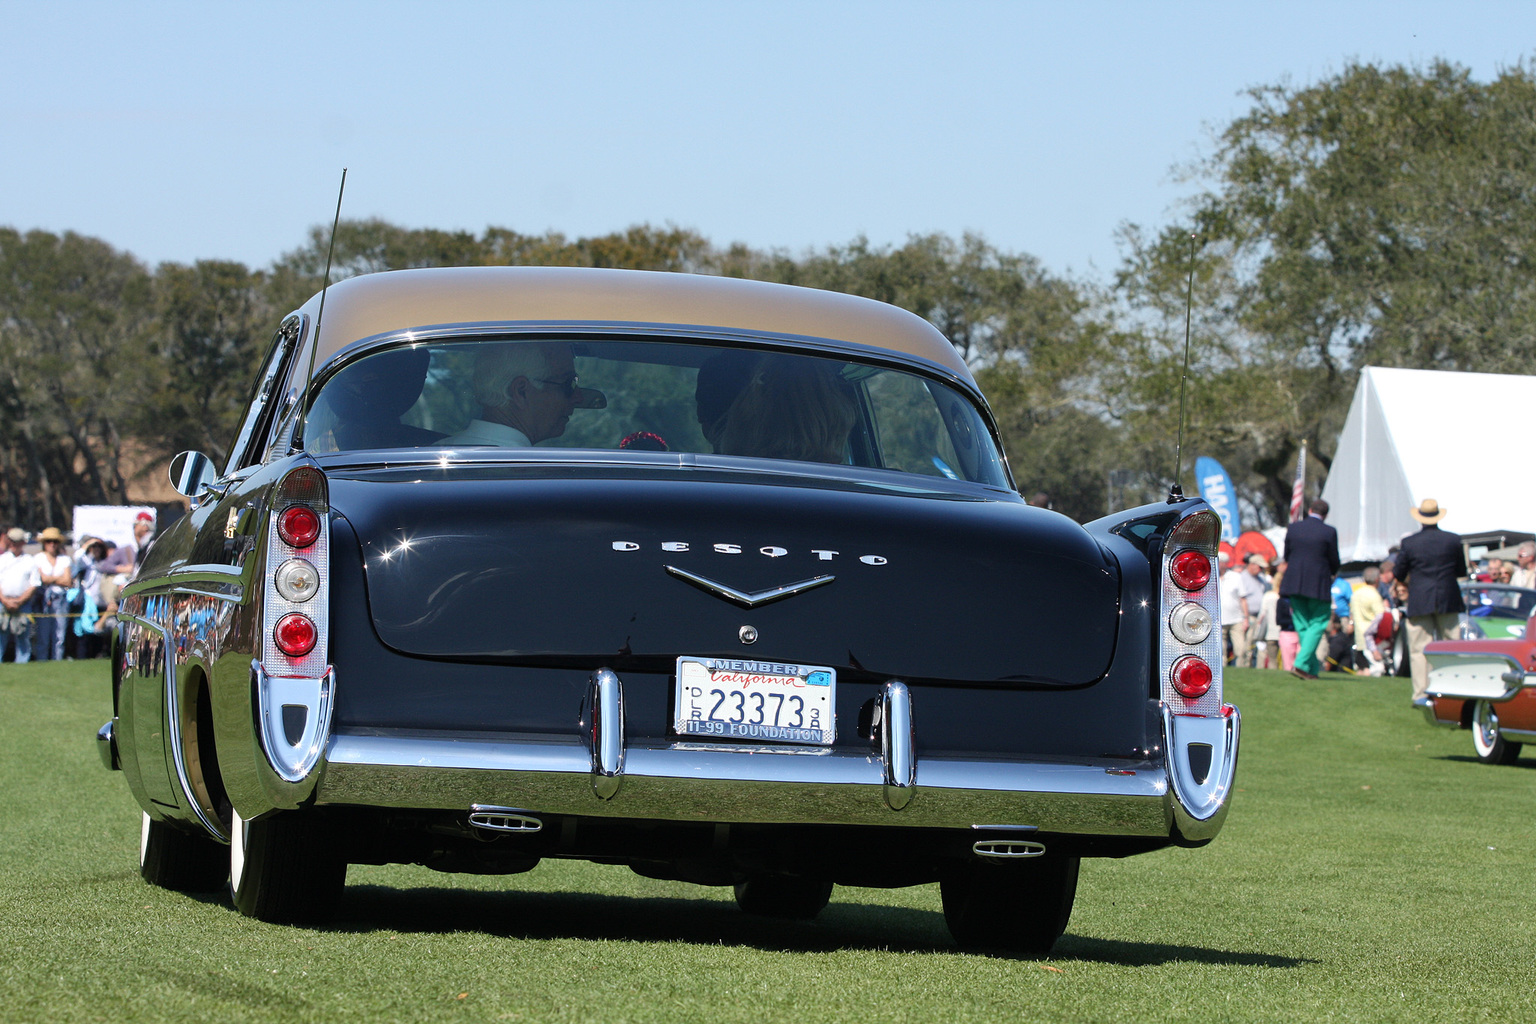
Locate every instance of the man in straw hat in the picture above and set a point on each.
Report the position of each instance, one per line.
(1430, 563)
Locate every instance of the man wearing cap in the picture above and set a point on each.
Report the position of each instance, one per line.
(121, 563)
(19, 581)
(1253, 600)
(1430, 563)
(1234, 609)
(1312, 560)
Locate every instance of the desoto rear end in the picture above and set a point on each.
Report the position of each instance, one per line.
(723, 581)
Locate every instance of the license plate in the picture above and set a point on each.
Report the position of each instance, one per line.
(755, 700)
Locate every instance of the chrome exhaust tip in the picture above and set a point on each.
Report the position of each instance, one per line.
(1008, 849)
(503, 819)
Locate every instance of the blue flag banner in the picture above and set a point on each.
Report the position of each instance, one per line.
(1216, 488)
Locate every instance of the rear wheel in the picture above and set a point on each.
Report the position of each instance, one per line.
(1400, 665)
(173, 859)
(1021, 907)
(282, 869)
(1487, 740)
(798, 899)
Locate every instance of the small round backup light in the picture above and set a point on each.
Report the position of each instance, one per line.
(1190, 569)
(1190, 623)
(298, 526)
(296, 580)
(1191, 677)
(295, 635)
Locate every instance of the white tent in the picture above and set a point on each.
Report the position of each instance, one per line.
(1461, 438)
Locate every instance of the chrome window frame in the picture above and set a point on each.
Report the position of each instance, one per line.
(251, 440)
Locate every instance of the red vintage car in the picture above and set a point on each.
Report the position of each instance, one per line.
(1488, 686)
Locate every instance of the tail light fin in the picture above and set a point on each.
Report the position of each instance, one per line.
(1189, 630)
(297, 577)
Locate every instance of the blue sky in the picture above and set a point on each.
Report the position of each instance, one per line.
(219, 130)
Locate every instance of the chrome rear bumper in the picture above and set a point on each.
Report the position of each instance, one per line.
(703, 782)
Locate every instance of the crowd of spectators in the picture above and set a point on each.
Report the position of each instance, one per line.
(1374, 624)
(57, 604)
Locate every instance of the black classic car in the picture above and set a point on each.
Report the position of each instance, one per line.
(724, 581)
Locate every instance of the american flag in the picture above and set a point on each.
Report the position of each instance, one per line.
(1301, 483)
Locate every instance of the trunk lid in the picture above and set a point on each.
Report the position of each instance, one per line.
(567, 567)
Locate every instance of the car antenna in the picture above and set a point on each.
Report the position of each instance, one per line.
(314, 346)
(1175, 489)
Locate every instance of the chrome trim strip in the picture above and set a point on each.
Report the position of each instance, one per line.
(1519, 735)
(607, 704)
(293, 762)
(172, 713)
(1006, 828)
(690, 782)
(556, 756)
(744, 598)
(898, 749)
(1200, 806)
(224, 582)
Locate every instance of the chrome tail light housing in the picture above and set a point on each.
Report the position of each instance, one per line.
(1190, 619)
(1200, 731)
(293, 678)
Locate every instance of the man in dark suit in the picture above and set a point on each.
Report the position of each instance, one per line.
(1312, 560)
(1430, 562)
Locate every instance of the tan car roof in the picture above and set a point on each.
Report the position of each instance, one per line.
(372, 304)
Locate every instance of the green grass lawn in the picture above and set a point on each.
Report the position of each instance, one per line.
(1371, 870)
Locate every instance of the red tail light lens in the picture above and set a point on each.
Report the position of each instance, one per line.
(1191, 677)
(1190, 569)
(295, 635)
(298, 526)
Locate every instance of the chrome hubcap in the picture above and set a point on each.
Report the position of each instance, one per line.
(1487, 726)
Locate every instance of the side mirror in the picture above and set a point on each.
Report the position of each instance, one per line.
(191, 473)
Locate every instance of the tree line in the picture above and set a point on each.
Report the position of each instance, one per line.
(1378, 217)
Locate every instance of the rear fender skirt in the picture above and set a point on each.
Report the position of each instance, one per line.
(174, 719)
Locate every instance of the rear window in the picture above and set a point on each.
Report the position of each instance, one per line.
(653, 396)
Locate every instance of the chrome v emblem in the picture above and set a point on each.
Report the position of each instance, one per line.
(742, 597)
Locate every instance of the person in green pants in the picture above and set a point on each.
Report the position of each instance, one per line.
(1312, 557)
